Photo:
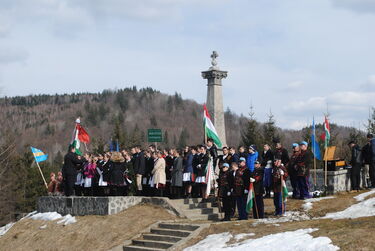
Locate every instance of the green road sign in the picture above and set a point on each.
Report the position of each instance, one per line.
(154, 135)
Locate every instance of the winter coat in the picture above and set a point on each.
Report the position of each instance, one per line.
(71, 164)
(158, 172)
(282, 154)
(224, 182)
(240, 181)
(195, 163)
(258, 183)
(225, 159)
(356, 159)
(188, 163)
(293, 164)
(367, 154)
(177, 172)
(276, 178)
(250, 161)
(235, 158)
(202, 164)
(140, 163)
(149, 166)
(213, 153)
(303, 163)
(117, 170)
(169, 160)
(267, 156)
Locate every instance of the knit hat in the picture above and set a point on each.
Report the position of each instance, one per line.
(253, 147)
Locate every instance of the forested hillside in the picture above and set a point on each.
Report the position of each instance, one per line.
(47, 121)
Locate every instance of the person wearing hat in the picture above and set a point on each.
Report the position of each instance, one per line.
(292, 170)
(252, 157)
(225, 191)
(367, 160)
(240, 185)
(355, 162)
(279, 174)
(303, 171)
(257, 180)
(267, 160)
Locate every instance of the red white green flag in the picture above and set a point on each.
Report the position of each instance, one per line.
(284, 191)
(79, 135)
(209, 128)
(327, 132)
(250, 197)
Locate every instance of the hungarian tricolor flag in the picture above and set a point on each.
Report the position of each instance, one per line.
(209, 176)
(284, 191)
(327, 132)
(209, 128)
(79, 135)
(250, 197)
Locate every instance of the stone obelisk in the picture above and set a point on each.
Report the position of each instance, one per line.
(215, 96)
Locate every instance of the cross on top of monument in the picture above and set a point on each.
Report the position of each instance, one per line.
(214, 66)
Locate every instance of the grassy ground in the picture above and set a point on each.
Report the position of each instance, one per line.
(348, 234)
(89, 233)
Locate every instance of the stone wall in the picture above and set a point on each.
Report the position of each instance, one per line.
(337, 181)
(98, 205)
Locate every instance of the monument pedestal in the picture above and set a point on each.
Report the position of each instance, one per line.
(337, 181)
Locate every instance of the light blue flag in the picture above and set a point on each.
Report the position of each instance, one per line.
(39, 155)
(314, 144)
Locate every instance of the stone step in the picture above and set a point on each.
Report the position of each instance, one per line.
(137, 248)
(158, 237)
(152, 244)
(213, 217)
(174, 226)
(197, 200)
(210, 210)
(170, 232)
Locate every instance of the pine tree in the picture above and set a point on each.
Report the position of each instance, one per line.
(251, 134)
(270, 130)
(371, 121)
(166, 139)
(182, 141)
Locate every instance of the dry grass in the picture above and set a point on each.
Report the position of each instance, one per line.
(89, 233)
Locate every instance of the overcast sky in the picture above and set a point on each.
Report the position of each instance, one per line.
(292, 57)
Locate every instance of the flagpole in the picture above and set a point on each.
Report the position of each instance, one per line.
(41, 173)
(326, 165)
(313, 146)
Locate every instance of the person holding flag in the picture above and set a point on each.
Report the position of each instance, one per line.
(69, 170)
(326, 137)
(256, 191)
(225, 191)
(279, 174)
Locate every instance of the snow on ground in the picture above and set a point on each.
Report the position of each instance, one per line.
(294, 240)
(242, 236)
(363, 196)
(289, 216)
(6, 228)
(363, 209)
(309, 202)
(51, 216)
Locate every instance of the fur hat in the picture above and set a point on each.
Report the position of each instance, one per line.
(117, 157)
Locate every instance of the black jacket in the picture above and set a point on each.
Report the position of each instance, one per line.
(367, 154)
(117, 174)
(225, 185)
(356, 156)
(258, 184)
(71, 164)
(267, 156)
(213, 153)
(140, 164)
(202, 164)
(282, 154)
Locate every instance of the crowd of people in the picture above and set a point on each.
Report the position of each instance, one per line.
(182, 173)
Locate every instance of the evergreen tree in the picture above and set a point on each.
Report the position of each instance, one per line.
(251, 133)
(182, 141)
(371, 121)
(166, 139)
(270, 130)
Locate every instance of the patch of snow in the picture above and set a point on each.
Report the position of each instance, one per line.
(309, 202)
(29, 215)
(363, 209)
(289, 216)
(363, 196)
(242, 236)
(6, 228)
(292, 240)
(276, 225)
(43, 227)
(49, 216)
(67, 219)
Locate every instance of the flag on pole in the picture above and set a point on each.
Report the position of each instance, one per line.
(250, 197)
(314, 144)
(284, 191)
(39, 155)
(209, 128)
(209, 176)
(327, 132)
(79, 135)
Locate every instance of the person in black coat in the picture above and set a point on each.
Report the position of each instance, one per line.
(149, 162)
(267, 162)
(139, 168)
(225, 191)
(117, 180)
(212, 150)
(281, 153)
(201, 171)
(257, 180)
(240, 186)
(367, 160)
(355, 162)
(225, 157)
(72, 163)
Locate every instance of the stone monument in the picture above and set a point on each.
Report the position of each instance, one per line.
(215, 96)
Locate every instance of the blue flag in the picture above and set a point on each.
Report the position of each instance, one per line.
(39, 155)
(314, 144)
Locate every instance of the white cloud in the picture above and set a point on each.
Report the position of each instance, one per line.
(11, 55)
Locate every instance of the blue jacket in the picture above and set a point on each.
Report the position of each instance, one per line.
(188, 165)
(250, 162)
